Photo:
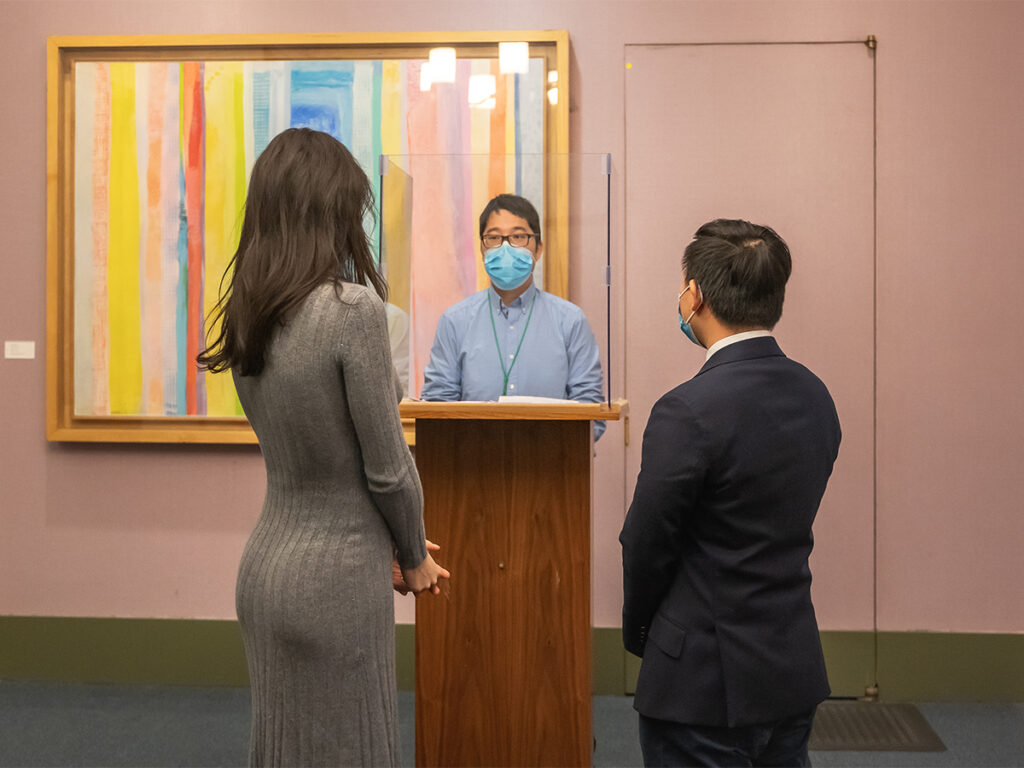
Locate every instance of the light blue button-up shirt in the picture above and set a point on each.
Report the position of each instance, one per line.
(558, 357)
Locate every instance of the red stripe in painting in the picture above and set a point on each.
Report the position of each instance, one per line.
(192, 102)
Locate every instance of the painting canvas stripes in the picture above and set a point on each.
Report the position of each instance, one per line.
(162, 155)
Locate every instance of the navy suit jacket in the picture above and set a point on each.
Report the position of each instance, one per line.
(715, 545)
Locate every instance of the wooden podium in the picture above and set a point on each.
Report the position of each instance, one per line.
(503, 660)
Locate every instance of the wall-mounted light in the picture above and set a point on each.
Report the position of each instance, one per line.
(425, 79)
(482, 89)
(442, 65)
(553, 90)
(513, 58)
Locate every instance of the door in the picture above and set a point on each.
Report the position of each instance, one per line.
(780, 135)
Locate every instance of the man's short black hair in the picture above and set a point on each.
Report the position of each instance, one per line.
(516, 205)
(741, 269)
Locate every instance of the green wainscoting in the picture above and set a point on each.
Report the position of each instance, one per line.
(920, 666)
(914, 666)
(144, 651)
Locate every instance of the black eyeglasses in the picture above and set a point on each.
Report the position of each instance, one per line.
(516, 239)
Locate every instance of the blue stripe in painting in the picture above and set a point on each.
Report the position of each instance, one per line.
(519, 140)
(321, 98)
(345, 100)
(260, 112)
(181, 303)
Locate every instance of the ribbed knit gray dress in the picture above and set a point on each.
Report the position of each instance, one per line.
(314, 594)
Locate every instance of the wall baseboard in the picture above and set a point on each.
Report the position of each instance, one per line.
(919, 666)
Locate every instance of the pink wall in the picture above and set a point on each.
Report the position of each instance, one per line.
(157, 531)
(692, 154)
(951, 374)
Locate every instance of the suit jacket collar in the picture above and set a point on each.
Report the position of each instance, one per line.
(751, 349)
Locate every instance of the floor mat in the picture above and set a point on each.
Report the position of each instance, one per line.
(866, 726)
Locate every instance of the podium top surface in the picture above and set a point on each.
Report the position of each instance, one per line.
(467, 409)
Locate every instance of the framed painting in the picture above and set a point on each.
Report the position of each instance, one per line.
(150, 141)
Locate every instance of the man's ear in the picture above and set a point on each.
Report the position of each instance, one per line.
(698, 297)
(539, 253)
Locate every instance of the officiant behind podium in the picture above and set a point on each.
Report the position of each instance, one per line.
(512, 338)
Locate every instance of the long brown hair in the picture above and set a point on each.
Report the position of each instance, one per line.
(303, 226)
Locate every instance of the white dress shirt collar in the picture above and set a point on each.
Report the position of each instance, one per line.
(723, 343)
(518, 302)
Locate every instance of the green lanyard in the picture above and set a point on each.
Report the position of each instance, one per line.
(501, 357)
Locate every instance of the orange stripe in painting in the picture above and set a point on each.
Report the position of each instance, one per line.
(192, 126)
(496, 182)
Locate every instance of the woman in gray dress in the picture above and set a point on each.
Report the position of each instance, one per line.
(306, 342)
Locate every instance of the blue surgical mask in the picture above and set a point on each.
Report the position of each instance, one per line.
(684, 325)
(508, 266)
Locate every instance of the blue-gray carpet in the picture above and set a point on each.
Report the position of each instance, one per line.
(47, 724)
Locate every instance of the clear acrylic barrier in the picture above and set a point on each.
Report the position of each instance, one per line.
(427, 235)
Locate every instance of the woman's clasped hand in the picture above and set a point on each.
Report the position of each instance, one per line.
(426, 576)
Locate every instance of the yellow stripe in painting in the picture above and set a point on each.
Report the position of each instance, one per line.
(396, 217)
(237, 207)
(225, 195)
(391, 108)
(124, 315)
(397, 188)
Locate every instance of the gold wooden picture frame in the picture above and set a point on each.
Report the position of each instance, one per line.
(149, 144)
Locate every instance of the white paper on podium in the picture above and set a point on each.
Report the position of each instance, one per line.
(532, 399)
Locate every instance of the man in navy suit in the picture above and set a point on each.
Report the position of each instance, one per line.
(716, 542)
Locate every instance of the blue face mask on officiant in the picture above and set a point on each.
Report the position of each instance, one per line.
(508, 266)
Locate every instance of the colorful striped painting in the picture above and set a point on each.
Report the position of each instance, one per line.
(162, 154)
